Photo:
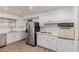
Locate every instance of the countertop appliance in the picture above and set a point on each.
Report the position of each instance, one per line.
(31, 29)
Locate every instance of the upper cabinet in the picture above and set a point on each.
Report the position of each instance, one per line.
(36, 19)
(61, 15)
(43, 20)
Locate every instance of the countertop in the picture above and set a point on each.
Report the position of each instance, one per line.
(5, 31)
(55, 35)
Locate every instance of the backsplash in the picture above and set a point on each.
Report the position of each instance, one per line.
(49, 29)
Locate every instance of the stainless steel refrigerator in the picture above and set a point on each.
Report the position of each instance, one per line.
(31, 29)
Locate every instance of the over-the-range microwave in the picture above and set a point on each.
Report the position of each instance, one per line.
(65, 24)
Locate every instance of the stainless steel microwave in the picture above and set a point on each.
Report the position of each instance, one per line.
(65, 24)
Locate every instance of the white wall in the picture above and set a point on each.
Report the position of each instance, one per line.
(21, 24)
(51, 29)
(7, 27)
(16, 35)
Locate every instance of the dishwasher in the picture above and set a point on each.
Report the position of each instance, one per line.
(2, 40)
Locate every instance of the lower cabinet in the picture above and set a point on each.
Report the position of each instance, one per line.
(14, 36)
(52, 43)
(56, 44)
(47, 42)
(2, 40)
(64, 45)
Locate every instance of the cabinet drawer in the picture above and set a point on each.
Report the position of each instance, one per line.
(52, 44)
(47, 42)
(2, 40)
(64, 45)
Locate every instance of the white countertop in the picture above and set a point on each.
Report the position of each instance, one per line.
(49, 34)
(5, 31)
(53, 34)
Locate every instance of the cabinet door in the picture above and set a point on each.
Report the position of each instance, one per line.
(47, 42)
(52, 43)
(39, 39)
(2, 40)
(64, 45)
(43, 20)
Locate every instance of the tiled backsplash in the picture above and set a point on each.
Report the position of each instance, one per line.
(49, 29)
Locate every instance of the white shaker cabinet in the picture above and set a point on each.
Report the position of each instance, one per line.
(46, 41)
(41, 40)
(15, 36)
(52, 43)
(64, 45)
(2, 40)
(55, 43)
(43, 20)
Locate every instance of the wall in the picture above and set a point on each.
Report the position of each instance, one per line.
(5, 24)
(15, 35)
(21, 24)
(50, 28)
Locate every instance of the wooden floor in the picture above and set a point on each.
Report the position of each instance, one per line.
(20, 46)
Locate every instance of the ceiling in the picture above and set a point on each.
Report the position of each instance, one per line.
(25, 10)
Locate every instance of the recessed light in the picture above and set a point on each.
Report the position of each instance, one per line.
(5, 8)
(31, 8)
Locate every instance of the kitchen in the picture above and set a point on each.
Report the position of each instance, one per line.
(58, 28)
